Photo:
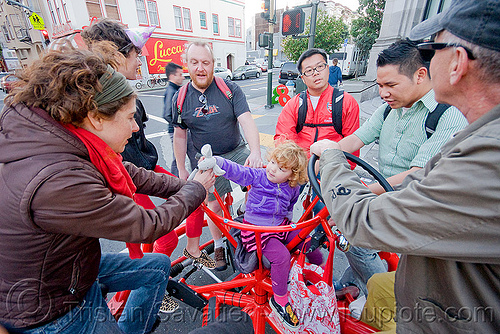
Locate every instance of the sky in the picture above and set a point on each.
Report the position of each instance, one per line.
(254, 6)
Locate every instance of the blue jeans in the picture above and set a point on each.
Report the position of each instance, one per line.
(363, 263)
(146, 277)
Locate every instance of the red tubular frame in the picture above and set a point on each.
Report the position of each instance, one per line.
(256, 287)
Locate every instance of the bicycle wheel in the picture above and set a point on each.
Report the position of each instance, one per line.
(162, 82)
(151, 83)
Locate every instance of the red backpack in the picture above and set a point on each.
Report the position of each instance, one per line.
(183, 91)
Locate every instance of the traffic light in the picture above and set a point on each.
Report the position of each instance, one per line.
(293, 22)
(46, 38)
(264, 40)
(266, 5)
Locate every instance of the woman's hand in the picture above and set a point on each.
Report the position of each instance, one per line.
(206, 178)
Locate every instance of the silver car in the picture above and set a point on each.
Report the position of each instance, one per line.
(223, 73)
(247, 71)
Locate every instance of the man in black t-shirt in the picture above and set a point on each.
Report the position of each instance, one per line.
(213, 119)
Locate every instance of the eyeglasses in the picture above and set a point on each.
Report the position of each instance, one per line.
(427, 50)
(318, 68)
(204, 101)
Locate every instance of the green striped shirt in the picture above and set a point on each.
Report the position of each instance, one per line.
(403, 141)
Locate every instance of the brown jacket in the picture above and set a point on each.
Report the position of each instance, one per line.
(444, 220)
(55, 206)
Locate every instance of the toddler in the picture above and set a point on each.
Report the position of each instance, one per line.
(273, 193)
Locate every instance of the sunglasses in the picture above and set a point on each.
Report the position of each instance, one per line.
(127, 48)
(427, 50)
(204, 101)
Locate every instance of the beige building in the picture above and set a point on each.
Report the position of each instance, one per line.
(17, 32)
(400, 16)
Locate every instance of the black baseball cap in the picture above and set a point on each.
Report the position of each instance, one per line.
(476, 21)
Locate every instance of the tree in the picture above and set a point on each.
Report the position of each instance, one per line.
(330, 34)
(366, 28)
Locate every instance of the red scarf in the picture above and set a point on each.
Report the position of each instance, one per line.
(109, 164)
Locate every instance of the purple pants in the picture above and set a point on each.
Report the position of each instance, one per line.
(279, 257)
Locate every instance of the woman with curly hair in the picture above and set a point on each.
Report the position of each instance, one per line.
(63, 186)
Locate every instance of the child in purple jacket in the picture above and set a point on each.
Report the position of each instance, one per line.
(273, 193)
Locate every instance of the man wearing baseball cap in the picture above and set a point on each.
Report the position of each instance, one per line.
(445, 218)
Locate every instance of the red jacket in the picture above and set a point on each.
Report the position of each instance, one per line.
(285, 128)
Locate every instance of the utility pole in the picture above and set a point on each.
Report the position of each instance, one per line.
(312, 29)
(272, 22)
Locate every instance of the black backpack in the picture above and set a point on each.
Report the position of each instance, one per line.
(337, 102)
(432, 119)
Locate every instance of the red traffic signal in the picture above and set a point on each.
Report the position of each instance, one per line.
(292, 22)
(46, 38)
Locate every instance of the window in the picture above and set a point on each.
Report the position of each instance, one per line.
(93, 7)
(65, 9)
(58, 11)
(112, 9)
(153, 13)
(237, 27)
(203, 20)
(141, 12)
(16, 24)
(5, 32)
(178, 18)
(182, 18)
(230, 26)
(215, 20)
(53, 15)
(186, 14)
(434, 7)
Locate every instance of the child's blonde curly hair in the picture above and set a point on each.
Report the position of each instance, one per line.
(291, 156)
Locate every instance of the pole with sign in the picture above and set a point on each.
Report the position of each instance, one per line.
(37, 21)
(272, 21)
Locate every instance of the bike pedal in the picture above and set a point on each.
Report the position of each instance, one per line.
(185, 294)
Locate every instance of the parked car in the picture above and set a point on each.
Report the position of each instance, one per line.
(263, 67)
(247, 71)
(6, 82)
(288, 71)
(223, 73)
(261, 63)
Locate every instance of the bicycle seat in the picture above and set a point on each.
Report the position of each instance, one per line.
(244, 261)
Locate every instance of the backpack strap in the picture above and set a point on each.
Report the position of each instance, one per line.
(337, 106)
(387, 111)
(224, 88)
(433, 118)
(301, 116)
(181, 96)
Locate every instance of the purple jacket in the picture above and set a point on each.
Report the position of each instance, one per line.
(268, 203)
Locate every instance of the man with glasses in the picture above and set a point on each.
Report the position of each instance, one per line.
(444, 218)
(319, 120)
(212, 117)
